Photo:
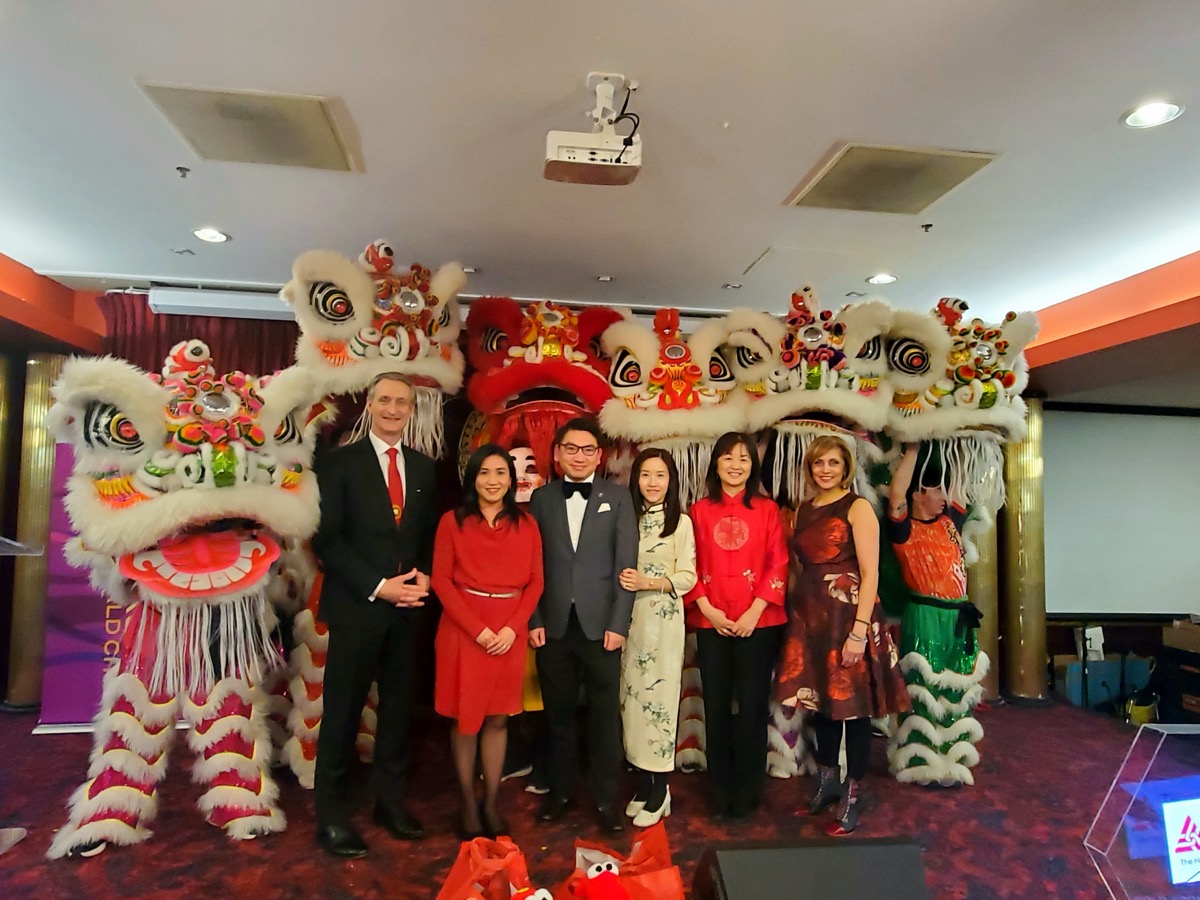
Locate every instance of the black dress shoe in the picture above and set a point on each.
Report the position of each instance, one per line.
(553, 808)
(494, 825)
(609, 819)
(341, 841)
(398, 823)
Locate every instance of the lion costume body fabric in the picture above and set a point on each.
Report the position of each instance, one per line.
(188, 490)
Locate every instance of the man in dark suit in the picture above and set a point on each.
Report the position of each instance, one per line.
(374, 543)
(589, 534)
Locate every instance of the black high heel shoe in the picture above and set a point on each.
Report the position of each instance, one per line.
(466, 833)
(493, 825)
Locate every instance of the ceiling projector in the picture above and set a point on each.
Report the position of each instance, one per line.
(603, 155)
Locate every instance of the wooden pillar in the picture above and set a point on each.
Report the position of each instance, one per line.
(33, 529)
(983, 587)
(1022, 549)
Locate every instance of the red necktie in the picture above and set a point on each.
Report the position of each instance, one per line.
(395, 485)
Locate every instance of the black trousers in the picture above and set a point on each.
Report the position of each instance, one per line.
(358, 653)
(563, 665)
(734, 669)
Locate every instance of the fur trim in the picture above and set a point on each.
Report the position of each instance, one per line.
(302, 767)
(110, 380)
(865, 320)
(691, 708)
(692, 759)
(446, 373)
(126, 685)
(291, 514)
(632, 335)
(245, 828)
(112, 831)
(329, 265)
(867, 411)
(119, 798)
(966, 728)
(446, 282)
(952, 681)
(224, 796)
(759, 333)
(940, 707)
(651, 424)
(306, 671)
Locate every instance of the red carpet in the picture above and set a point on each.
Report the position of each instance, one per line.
(1017, 833)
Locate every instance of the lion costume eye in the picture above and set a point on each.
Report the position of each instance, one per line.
(908, 356)
(745, 357)
(106, 427)
(330, 302)
(872, 349)
(719, 372)
(288, 431)
(625, 372)
(493, 340)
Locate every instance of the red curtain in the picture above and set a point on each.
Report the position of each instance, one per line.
(254, 346)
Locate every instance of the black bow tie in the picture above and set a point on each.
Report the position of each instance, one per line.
(571, 488)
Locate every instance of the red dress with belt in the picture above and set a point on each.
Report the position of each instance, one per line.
(471, 561)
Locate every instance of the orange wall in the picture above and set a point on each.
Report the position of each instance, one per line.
(43, 305)
(1160, 299)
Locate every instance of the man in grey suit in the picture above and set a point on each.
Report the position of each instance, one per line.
(589, 534)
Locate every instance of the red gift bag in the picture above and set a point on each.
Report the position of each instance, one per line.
(487, 870)
(647, 872)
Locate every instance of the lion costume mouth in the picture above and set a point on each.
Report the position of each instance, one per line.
(203, 564)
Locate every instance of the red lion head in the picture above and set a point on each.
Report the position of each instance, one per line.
(535, 366)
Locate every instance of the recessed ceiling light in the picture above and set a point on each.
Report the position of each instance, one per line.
(470, 270)
(605, 278)
(212, 235)
(1148, 115)
(732, 286)
(881, 278)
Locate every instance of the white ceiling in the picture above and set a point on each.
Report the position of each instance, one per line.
(452, 101)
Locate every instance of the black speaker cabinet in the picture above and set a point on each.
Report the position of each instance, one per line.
(857, 868)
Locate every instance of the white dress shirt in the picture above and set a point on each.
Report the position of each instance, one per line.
(381, 452)
(576, 507)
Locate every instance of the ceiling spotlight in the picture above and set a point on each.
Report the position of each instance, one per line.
(732, 286)
(212, 235)
(604, 278)
(881, 278)
(1150, 114)
(470, 270)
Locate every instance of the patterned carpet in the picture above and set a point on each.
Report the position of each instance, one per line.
(1017, 833)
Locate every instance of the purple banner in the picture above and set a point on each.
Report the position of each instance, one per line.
(83, 630)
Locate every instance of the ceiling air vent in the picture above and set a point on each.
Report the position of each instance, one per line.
(255, 127)
(871, 178)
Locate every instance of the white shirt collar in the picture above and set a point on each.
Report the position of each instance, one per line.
(587, 480)
(381, 446)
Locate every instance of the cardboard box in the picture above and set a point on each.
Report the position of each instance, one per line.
(1182, 635)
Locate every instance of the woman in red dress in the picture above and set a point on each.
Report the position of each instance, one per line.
(837, 659)
(487, 573)
(736, 609)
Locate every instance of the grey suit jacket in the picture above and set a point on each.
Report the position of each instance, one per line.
(586, 576)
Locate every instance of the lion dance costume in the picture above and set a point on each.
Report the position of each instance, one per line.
(957, 387)
(187, 488)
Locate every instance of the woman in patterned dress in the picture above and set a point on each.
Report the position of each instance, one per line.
(736, 609)
(652, 660)
(837, 660)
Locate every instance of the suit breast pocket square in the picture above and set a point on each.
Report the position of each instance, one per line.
(604, 507)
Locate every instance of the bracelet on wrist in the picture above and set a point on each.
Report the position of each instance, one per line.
(858, 640)
(866, 622)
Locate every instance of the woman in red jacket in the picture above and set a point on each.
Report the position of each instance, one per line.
(487, 573)
(737, 610)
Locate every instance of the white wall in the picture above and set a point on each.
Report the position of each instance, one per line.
(1122, 507)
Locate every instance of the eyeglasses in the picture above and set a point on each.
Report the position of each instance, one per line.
(575, 449)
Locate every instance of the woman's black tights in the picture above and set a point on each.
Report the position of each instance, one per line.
(829, 742)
